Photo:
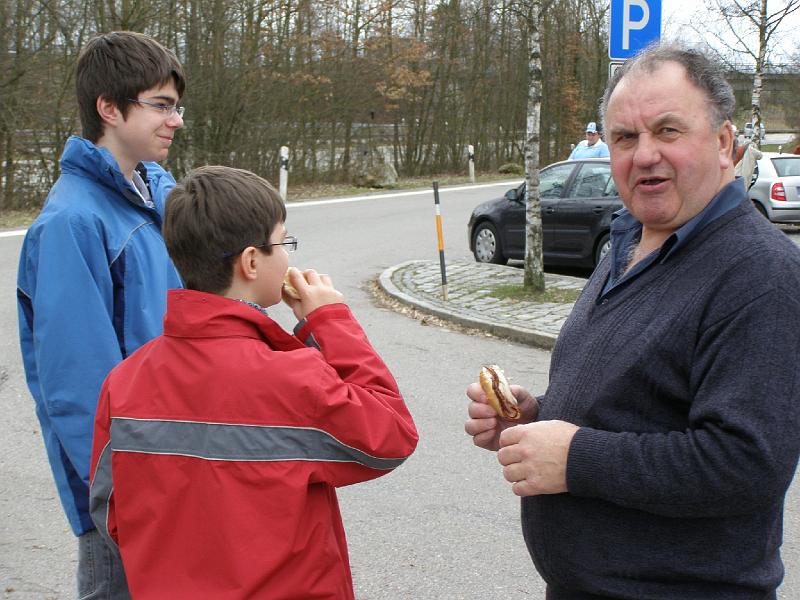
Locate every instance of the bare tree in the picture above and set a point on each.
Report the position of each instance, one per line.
(327, 78)
(534, 263)
(743, 21)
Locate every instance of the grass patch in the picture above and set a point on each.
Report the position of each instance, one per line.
(518, 293)
(313, 191)
(21, 218)
(785, 148)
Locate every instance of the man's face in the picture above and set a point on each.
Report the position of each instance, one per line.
(592, 137)
(667, 161)
(146, 133)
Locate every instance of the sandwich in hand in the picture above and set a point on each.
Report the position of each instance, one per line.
(288, 288)
(498, 392)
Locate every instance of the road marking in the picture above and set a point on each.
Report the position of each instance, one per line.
(420, 192)
(13, 233)
(290, 205)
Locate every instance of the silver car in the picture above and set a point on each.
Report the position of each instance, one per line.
(776, 191)
(749, 128)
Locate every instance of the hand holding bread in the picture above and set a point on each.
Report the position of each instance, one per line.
(305, 291)
(487, 422)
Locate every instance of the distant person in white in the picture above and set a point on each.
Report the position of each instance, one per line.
(747, 165)
(592, 146)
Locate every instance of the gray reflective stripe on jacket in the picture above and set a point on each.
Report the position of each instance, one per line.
(218, 441)
(100, 495)
(222, 441)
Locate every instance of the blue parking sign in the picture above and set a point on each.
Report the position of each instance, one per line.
(634, 25)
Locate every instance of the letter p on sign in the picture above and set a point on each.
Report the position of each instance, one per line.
(634, 25)
(628, 23)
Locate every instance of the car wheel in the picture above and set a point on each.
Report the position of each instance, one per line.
(761, 209)
(603, 247)
(487, 246)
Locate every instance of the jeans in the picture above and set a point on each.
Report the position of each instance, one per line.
(100, 572)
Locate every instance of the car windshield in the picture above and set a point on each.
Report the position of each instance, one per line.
(787, 167)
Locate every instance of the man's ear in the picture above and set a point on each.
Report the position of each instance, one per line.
(725, 138)
(108, 111)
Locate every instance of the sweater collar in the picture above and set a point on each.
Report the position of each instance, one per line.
(626, 232)
(193, 314)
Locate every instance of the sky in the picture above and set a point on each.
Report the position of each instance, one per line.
(692, 21)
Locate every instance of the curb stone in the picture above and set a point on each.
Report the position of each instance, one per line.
(417, 283)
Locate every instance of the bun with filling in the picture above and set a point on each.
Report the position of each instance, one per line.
(498, 392)
(288, 288)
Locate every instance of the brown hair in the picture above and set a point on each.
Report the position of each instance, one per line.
(211, 216)
(707, 75)
(119, 66)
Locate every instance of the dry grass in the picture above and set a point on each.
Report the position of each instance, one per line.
(17, 218)
(313, 191)
(20, 218)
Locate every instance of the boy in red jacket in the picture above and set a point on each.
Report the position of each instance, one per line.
(219, 444)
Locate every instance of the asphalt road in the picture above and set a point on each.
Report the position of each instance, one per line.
(442, 527)
(780, 138)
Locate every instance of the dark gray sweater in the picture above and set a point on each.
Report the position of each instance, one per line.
(685, 383)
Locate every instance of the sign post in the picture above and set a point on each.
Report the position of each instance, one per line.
(635, 24)
(283, 175)
(439, 235)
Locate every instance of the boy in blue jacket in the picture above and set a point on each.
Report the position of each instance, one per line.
(94, 271)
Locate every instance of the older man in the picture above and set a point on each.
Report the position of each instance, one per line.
(592, 146)
(656, 463)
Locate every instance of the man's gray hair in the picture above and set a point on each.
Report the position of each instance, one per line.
(700, 70)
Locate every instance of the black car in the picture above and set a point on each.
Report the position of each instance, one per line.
(578, 199)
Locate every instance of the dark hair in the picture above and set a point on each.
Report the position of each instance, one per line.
(213, 213)
(700, 70)
(119, 66)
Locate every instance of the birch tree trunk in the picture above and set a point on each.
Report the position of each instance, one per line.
(757, 78)
(534, 264)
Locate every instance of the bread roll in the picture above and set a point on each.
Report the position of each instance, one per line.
(498, 392)
(288, 288)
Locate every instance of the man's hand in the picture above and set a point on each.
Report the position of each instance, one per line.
(534, 457)
(314, 289)
(485, 426)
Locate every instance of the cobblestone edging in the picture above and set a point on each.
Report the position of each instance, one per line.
(418, 283)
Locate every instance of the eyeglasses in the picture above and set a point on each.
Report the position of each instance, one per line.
(166, 109)
(289, 242)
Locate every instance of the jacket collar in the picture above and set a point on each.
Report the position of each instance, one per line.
(96, 162)
(193, 314)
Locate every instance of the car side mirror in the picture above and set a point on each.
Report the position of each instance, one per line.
(512, 196)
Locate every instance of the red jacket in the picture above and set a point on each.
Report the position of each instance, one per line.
(223, 440)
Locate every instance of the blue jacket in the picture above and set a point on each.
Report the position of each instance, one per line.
(91, 288)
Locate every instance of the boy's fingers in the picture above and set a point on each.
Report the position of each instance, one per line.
(311, 277)
(288, 299)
